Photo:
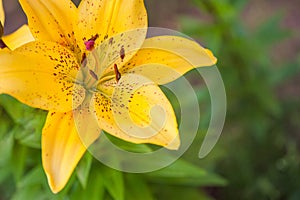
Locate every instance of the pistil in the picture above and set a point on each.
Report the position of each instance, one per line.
(90, 44)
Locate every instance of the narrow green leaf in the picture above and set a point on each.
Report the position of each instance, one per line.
(18, 161)
(6, 123)
(95, 189)
(285, 72)
(14, 108)
(33, 192)
(6, 148)
(113, 182)
(34, 177)
(179, 193)
(83, 169)
(128, 146)
(29, 121)
(137, 188)
(184, 173)
(269, 33)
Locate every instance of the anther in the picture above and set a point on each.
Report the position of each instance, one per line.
(118, 74)
(93, 74)
(122, 53)
(83, 59)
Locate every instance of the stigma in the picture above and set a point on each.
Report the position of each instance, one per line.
(90, 44)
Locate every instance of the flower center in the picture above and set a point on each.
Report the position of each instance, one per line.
(93, 66)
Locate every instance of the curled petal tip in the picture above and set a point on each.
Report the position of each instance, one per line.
(211, 55)
(174, 144)
(54, 186)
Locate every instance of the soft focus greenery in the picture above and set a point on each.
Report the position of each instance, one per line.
(257, 156)
(259, 150)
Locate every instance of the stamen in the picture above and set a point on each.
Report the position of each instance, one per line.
(83, 61)
(122, 53)
(93, 74)
(118, 74)
(90, 44)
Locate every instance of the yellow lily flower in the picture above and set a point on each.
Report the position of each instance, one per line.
(46, 69)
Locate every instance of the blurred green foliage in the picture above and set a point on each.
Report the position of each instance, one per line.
(259, 150)
(22, 176)
(258, 153)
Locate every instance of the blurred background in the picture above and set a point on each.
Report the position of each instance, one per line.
(257, 44)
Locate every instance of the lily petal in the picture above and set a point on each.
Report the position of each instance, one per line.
(51, 20)
(166, 58)
(2, 15)
(86, 121)
(18, 38)
(110, 17)
(115, 51)
(61, 149)
(138, 112)
(41, 75)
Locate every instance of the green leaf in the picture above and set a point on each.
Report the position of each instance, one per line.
(128, 146)
(285, 72)
(268, 33)
(29, 121)
(6, 123)
(6, 148)
(33, 192)
(19, 162)
(95, 189)
(83, 169)
(32, 178)
(184, 173)
(179, 193)
(14, 108)
(113, 182)
(137, 188)
(30, 186)
(6, 152)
